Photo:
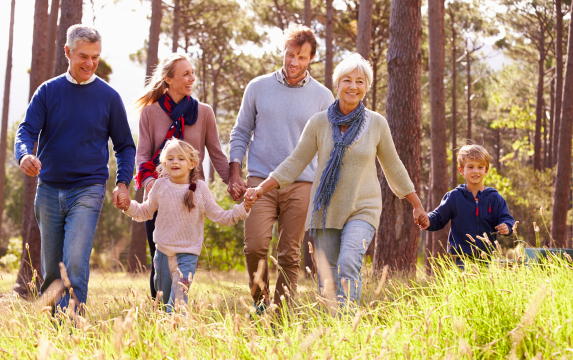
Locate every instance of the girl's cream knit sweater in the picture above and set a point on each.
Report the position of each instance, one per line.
(357, 195)
(178, 230)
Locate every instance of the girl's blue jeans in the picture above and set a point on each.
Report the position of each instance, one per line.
(163, 280)
(67, 219)
(344, 250)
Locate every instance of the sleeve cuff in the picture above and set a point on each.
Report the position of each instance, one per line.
(130, 210)
(243, 214)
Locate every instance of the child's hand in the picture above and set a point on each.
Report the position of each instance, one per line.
(123, 201)
(502, 229)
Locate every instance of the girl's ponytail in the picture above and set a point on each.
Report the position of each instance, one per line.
(192, 157)
(156, 85)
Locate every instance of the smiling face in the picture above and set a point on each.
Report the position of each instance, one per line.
(351, 89)
(83, 60)
(474, 172)
(177, 166)
(295, 61)
(181, 84)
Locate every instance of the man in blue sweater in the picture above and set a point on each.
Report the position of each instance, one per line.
(72, 117)
(473, 208)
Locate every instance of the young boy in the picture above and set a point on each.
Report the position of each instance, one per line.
(472, 207)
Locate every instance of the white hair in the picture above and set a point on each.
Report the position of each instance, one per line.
(79, 32)
(351, 63)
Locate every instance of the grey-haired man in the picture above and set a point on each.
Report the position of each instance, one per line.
(72, 117)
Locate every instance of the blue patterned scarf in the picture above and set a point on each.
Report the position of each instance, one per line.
(331, 174)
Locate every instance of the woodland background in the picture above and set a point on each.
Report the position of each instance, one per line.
(433, 82)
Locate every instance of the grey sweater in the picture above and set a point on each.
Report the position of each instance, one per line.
(270, 123)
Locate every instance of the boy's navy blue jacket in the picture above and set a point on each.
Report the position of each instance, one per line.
(467, 217)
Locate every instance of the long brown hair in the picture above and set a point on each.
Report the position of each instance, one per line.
(191, 156)
(156, 85)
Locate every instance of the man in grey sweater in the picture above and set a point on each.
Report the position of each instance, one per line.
(274, 112)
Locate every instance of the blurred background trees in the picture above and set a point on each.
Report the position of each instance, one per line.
(514, 103)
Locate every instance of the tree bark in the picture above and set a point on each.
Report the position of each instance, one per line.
(544, 136)
(437, 241)
(5, 108)
(398, 234)
(558, 79)
(71, 14)
(307, 13)
(468, 92)
(176, 13)
(562, 179)
(137, 257)
(328, 66)
(539, 103)
(154, 30)
(52, 34)
(31, 242)
(454, 102)
(364, 30)
(550, 146)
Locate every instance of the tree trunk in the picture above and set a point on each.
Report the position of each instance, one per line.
(454, 103)
(52, 34)
(544, 137)
(307, 13)
(437, 241)
(154, 30)
(562, 179)
(137, 257)
(176, 12)
(558, 79)
(497, 136)
(5, 108)
(374, 88)
(398, 234)
(468, 92)
(328, 66)
(364, 30)
(31, 242)
(71, 14)
(550, 146)
(539, 104)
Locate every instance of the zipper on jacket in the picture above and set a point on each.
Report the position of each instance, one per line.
(490, 206)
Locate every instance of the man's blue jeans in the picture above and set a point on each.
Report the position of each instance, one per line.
(67, 220)
(344, 250)
(187, 264)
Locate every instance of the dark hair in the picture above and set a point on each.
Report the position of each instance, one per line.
(298, 34)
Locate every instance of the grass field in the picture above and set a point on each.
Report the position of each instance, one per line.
(490, 312)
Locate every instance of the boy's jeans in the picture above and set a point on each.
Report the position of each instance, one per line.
(345, 249)
(166, 273)
(67, 220)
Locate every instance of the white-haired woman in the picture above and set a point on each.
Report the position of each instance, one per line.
(347, 202)
(168, 110)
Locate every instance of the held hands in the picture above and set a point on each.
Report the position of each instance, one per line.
(121, 198)
(236, 186)
(251, 197)
(421, 218)
(30, 165)
(502, 229)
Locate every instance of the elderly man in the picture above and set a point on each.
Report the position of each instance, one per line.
(72, 117)
(274, 112)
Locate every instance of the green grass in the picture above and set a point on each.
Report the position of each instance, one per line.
(487, 312)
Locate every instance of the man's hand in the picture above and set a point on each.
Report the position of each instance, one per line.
(502, 229)
(30, 165)
(121, 202)
(236, 186)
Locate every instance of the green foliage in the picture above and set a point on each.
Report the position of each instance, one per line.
(223, 245)
(11, 261)
(103, 70)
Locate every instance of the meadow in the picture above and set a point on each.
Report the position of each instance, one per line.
(496, 311)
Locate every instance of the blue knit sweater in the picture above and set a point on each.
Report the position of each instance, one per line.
(469, 217)
(72, 124)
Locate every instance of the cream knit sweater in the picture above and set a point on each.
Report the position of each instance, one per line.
(178, 230)
(357, 195)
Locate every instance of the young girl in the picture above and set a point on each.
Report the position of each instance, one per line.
(182, 201)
